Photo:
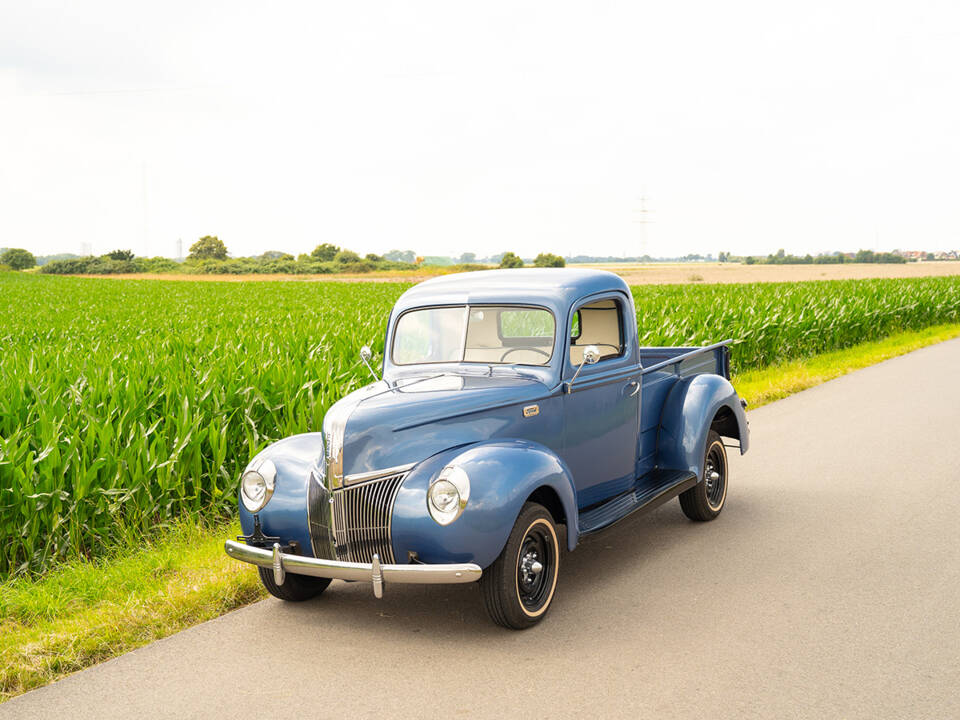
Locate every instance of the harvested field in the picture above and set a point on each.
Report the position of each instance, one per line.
(633, 273)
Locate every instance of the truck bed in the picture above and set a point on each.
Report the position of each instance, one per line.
(662, 368)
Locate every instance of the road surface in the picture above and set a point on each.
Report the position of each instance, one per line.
(828, 588)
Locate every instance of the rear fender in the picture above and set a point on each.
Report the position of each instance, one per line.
(503, 474)
(685, 420)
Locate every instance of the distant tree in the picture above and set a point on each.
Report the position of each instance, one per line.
(749, 259)
(276, 255)
(549, 260)
(18, 259)
(209, 247)
(120, 255)
(928, 256)
(346, 257)
(722, 256)
(468, 258)
(511, 260)
(407, 256)
(325, 252)
(373, 257)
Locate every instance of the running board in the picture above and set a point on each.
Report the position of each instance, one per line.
(658, 487)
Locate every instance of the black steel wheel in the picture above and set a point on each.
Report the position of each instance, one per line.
(295, 588)
(705, 500)
(519, 587)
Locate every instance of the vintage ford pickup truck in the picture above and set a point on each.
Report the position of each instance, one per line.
(511, 402)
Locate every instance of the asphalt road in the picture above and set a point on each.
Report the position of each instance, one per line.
(828, 588)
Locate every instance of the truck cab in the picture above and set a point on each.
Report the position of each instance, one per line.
(509, 402)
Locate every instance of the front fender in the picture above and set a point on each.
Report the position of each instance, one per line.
(685, 420)
(285, 514)
(503, 474)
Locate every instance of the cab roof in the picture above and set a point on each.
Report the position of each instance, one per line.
(552, 287)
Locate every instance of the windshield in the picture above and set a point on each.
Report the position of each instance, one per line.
(488, 334)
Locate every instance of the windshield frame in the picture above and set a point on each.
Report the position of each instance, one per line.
(466, 327)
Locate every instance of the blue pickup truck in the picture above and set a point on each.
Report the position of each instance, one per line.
(511, 402)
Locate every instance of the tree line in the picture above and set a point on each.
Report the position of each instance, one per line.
(209, 255)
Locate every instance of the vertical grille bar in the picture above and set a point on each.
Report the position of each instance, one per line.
(362, 519)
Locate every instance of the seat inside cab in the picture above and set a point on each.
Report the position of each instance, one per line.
(521, 336)
(599, 324)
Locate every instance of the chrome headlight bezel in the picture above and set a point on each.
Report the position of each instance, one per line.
(452, 483)
(262, 474)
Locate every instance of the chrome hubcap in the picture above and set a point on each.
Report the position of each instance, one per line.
(530, 567)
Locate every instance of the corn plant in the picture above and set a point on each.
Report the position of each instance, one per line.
(125, 404)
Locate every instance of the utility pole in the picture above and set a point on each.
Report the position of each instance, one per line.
(179, 248)
(642, 217)
(143, 177)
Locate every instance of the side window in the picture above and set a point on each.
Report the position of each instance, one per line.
(599, 323)
(575, 328)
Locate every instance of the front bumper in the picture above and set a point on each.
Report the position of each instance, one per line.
(375, 572)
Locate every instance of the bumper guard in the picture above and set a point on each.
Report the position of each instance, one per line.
(374, 572)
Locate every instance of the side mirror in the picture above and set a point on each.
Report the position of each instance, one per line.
(591, 354)
(365, 355)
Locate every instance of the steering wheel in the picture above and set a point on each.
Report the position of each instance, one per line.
(529, 349)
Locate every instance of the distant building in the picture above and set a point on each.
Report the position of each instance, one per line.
(916, 255)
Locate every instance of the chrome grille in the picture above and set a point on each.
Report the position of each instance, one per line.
(318, 513)
(361, 519)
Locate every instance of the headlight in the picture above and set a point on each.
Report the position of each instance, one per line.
(257, 483)
(448, 495)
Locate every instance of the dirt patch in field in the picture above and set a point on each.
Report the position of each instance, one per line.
(634, 274)
(370, 277)
(689, 273)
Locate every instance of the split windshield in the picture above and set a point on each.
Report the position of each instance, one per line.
(487, 334)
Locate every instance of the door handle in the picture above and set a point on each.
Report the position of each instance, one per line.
(635, 389)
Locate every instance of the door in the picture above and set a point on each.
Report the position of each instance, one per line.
(602, 408)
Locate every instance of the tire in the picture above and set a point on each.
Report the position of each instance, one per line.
(517, 596)
(295, 588)
(705, 500)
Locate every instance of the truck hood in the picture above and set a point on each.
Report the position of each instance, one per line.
(406, 421)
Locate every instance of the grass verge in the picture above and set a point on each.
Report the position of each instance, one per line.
(759, 387)
(87, 612)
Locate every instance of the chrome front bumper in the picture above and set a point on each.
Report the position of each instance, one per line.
(374, 572)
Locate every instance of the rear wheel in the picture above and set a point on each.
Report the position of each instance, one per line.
(519, 586)
(295, 588)
(705, 500)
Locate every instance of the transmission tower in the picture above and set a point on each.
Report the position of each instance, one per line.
(641, 216)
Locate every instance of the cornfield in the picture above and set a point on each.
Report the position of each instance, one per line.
(125, 404)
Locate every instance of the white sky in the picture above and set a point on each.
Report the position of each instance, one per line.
(448, 127)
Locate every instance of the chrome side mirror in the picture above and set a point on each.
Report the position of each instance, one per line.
(365, 355)
(591, 354)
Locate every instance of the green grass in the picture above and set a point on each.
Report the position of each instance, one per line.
(127, 405)
(86, 612)
(760, 387)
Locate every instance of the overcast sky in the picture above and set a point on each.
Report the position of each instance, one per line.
(448, 127)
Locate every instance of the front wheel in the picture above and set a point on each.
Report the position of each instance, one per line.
(295, 588)
(704, 501)
(518, 587)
